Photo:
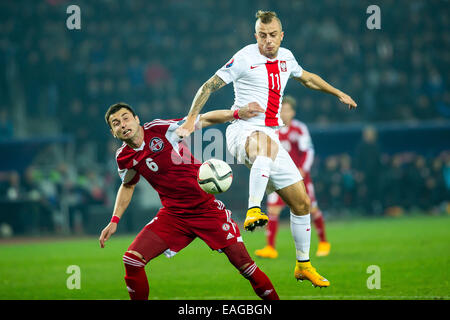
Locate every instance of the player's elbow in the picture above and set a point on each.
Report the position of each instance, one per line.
(128, 186)
(309, 79)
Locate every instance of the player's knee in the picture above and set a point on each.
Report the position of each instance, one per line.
(133, 258)
(238, 256)
(244, 266)
(301, 207)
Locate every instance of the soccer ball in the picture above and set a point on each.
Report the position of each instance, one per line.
(214, 176)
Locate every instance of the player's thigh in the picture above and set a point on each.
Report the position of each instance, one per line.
(147, 245)
(260, 144)
(283, 172)
(216, 228)
(296, 198)
(166, 234)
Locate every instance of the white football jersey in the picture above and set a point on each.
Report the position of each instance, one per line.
(257, 78)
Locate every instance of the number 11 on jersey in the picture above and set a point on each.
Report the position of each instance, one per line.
(274, 76)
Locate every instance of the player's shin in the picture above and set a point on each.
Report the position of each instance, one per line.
(260, 282)
(135, 277)
(272, 229)
(259, 177)
(301, 232)
(319, 224)
(241, 260)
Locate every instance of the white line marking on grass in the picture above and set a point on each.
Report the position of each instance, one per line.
(337, 297)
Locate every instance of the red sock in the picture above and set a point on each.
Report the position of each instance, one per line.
(272, 228)
(260, 282)
(135, 277)
(319, 223)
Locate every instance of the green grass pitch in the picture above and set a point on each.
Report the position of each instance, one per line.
(413, 254)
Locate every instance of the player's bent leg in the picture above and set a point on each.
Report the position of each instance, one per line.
(146, 246)
(261, 151)
(238, 256)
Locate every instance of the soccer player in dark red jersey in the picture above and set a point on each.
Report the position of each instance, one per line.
(155, 151)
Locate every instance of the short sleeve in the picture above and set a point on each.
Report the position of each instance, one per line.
(129, 176)
(296, 70)
(232, 70)
(305, 142)
(125, 163)
(171, 134)
(304, 139)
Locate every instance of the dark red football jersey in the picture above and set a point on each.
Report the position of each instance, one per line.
(168, 165)
(296, 140)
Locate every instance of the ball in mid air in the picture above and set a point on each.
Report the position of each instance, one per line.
(215, 176)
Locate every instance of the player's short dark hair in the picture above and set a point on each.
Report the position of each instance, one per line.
(291, 100)
(116, 107)
(267, 17)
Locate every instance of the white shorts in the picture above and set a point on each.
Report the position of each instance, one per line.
(284, 171)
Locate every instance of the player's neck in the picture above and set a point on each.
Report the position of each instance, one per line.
(136, 141)
(271, 57)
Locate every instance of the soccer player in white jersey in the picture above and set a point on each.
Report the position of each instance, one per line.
(259, 72)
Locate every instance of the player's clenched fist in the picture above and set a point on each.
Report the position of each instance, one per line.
(106, 233)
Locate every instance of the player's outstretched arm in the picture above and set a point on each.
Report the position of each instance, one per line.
(123, 198)
(213, 84)
(313, 81)
(221, 116)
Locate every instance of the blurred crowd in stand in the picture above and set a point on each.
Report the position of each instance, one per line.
(403, 182)
(154, 55)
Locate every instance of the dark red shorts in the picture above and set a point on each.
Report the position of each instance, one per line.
(215, 227)
(274, 199)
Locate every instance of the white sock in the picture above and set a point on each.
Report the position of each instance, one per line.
(259, 177)
(301, 232)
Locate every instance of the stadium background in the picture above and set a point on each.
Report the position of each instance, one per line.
(57, 169)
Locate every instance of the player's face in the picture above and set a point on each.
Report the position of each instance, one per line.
(123, 125)
(269, 37)
(287, 113)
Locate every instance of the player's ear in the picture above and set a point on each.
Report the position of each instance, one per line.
(137, 119)
(112, 132)
(282, 35)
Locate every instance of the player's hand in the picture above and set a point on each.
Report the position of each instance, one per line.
(346, 99)
(107, 233)
(250, 110)
(185, 129)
